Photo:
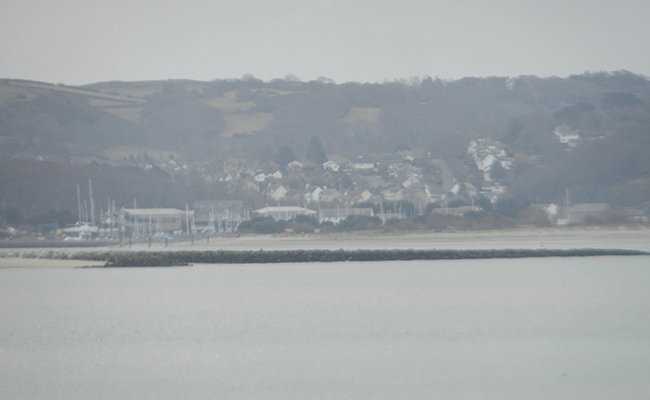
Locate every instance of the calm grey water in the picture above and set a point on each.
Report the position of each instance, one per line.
(571, 328)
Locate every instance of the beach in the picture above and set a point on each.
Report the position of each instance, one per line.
(20, 262)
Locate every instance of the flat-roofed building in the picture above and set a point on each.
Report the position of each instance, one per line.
(283, 212)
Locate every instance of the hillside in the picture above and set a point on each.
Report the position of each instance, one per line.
(227, 125)
(206, 120)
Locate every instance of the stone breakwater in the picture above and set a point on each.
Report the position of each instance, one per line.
(183, 258)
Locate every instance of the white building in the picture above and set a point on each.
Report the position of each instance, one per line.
(145, 222)
(567, 135)
(283, 212)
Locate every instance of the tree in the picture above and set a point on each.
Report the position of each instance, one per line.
(620, 99)
(497, 172)
(283, 157)
(507, 207)
(402, 146)
(315, 153)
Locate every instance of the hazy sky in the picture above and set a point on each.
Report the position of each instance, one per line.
(85, 41)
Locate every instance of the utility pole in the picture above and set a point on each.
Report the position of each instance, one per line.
(92, 203)
(187, 219)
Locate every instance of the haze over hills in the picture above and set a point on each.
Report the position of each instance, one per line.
(123, 127)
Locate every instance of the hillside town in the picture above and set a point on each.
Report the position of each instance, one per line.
(244, 155)
(405, 185)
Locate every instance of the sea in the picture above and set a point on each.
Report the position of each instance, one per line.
(539, 328)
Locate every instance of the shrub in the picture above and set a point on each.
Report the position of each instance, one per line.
(261, 225)
(358, 222)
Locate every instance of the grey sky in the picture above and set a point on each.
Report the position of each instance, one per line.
(85, 41)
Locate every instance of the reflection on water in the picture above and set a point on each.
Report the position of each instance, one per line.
(533, 329)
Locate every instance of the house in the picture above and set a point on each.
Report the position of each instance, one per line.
(374, 181)
(393, 195)
(551, 211)
(464, 188)
(329, 195)
(567, 135)
(276, 192)
(418, 197)
(486, 153)
(435, 193)
(406, 154)
(246, 172)
(580, 213)
(486, 162)
(493, 188)
(363, 164)
(548, 211)
(313, 194)
(294, 166)
(331, 165)
(404, 170)
(251, 188)
(412, 181)
(364, 196)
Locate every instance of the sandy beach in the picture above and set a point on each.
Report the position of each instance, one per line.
(19, 262)
(525, 238)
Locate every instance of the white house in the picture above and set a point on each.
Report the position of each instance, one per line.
(363, 164)
(393, 195)
(331, 165)
(567, 135)
(364, 196)
(328, 195)
(313, 195)
(277, 192)
(294, 166)
(486, 162)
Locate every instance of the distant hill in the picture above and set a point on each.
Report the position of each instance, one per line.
(224, 118)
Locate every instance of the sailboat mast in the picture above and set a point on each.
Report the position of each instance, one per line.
(92, 203)
(79, 217)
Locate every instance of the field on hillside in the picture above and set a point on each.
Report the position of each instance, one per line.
(366, 114)
(245, 123)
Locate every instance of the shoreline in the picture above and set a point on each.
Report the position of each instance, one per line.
(532, 238)
(113, 259)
